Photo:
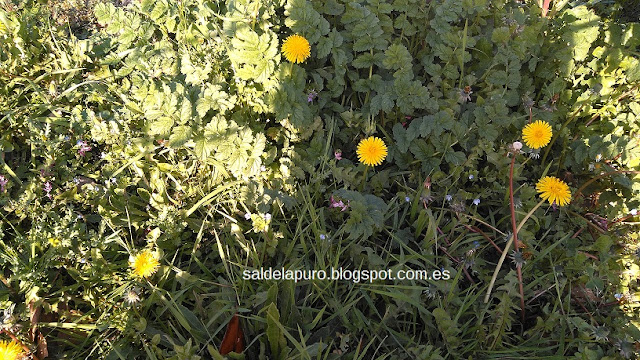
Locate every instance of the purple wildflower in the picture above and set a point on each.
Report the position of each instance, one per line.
(47, 188)
(338, 204)
(311, 95)
(476, 202)
(338, 154)
(3, 183)
(84, 147)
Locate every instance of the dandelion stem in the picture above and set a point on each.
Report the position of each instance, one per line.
(364, 177)
(505, 251)
(555, 136)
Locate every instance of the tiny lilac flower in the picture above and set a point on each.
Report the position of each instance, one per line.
(267, 217)
(448, 197)
(247, 216)
(323, 236)
(476, 202)
(3, 183)
(471, 177)
(618, 296)
(47, 187)
(476, 244)
(84, 147)
(263, 168)
(338, 154)
(407, 199)
(633, 212)
(338, 204)
(67, 138)
(311, 95)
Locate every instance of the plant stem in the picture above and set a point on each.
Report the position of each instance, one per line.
(515, 235)
(575, 196)
(555, 136)
(364, 177)
(506, 248)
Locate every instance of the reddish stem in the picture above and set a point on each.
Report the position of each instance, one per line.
(477, 230)
(24, 347)
(545, 8)
(516, 245)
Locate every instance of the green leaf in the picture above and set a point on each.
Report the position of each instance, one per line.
(213, 98)
(277, 340)
(326, 44)
(255, 55)
(161, 126)
(583, 27)
(455, 157)
(203, 147)
(382, 102)
(179, 136)
(195, 74)
(397, 56)
(402, 137)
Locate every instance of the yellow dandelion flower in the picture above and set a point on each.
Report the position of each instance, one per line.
(144, 264)
(55, 242)
(537, 134)
(10, 350)
(554, 190)
(372, 151)
(296, 49)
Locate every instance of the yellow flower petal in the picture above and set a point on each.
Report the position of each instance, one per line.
(296, 49)
(372, 151)
(537, 134)
(554, 190)
(144, 264)
(10, 350)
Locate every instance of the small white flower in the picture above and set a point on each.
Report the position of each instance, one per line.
(476, 202)
(267, 216)
(263, 168)
(471, 177)
(448, 197)
(247, 216)
(598, 157)
(407, 199)
(132, 296)
(323, 236)
(633, 212)
(517, 145)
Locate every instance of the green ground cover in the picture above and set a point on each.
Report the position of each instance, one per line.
(154, 153)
